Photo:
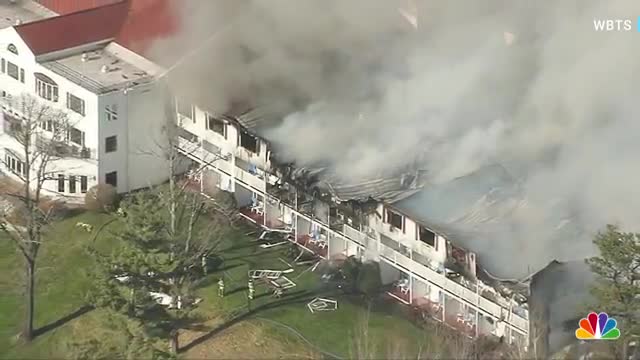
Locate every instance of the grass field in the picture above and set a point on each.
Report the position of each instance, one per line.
(273, 327)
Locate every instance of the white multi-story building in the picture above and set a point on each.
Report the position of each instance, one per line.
(71, 63)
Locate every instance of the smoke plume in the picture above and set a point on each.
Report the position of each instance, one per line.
(529, 85)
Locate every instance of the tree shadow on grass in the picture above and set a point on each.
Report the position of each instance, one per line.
(302, 296)
(63, 320)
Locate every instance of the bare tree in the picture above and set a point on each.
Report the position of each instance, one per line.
(40, 133)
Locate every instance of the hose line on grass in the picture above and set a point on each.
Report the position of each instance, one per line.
(297, 333)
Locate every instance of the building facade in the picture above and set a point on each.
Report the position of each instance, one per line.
(108, 94)
(423, 267)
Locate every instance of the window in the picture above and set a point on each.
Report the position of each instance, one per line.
(22, 76)
(75, 104)
(83, 184)
(111, 178)
(248, 142)
(111, 144)
(47, 125)
(76, 136)
(185, 110)
(3, 66)
(13, 70)
(72, 184)
(12, 49)
(14, 164)
(395, 220)
(60, 183)
(112, 112)
(426, 236)
(217, 126)
(46, 88)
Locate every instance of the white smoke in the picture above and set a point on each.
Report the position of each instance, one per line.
(554, 101)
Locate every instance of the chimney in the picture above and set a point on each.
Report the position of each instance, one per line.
(18, 22)
(104, 69)
(84, 57)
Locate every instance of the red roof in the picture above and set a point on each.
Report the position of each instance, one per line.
(136, 27)
(64, 7)
(74, 29)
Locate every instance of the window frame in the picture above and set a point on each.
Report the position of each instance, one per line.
(61, 183)
(244, 135)
(46, 88)
(111, 112)
(113, 174)
(390, 214)
(211, 120)
(72, 184)
(84, 184)
(420, 229)
(17, 68)
(107, 143)
(82, 137)
(82, 110)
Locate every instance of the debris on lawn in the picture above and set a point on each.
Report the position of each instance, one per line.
(285, 262)
(322, 304)
(268, 274)
(269, 239)
(270, 245)
(283, 282)
(86, 227)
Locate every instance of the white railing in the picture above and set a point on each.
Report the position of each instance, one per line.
(250, 179)
(196, 151)
(441, 281)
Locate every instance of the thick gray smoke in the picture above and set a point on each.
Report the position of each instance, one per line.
(370, 94)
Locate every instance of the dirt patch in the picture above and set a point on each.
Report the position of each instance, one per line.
(245, 340)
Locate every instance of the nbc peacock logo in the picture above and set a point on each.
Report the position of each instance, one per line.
(598, 327)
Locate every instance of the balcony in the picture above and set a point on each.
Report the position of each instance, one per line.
(203, 151)
(458, 291)
(63, 149)
(250, 174)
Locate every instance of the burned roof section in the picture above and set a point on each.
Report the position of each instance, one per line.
(385, 188)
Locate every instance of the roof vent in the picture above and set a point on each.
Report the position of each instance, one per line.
(18, 22)
(84, 57)
(104, 69)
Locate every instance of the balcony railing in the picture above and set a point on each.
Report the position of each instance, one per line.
(443, 282)
(63, 149)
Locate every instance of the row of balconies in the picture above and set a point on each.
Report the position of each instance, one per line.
(411, 261)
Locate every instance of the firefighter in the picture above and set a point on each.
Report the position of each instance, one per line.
(221, 287)
(252, 291)
(203, 263)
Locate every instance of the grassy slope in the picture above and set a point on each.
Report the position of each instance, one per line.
(62, 283)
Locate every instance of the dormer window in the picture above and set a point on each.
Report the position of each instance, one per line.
(12, 49)
(46, 88)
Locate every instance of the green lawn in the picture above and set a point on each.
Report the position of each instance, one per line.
(332, 332)
(62, 284)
